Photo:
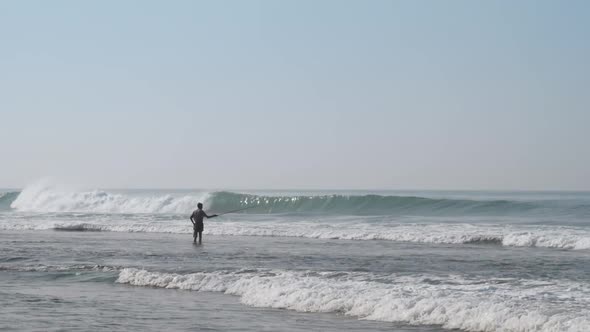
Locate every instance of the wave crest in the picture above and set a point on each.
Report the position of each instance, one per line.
(47, 198)
(364, 204)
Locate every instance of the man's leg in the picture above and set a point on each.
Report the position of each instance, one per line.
(200, 236)
(194, 236)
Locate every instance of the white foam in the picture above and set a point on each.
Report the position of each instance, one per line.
(561, 239)
(47, 197)
(557, 237)
(422, 233)
(518, 236)
(506, 305)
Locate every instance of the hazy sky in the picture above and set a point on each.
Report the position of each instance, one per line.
(296, 94)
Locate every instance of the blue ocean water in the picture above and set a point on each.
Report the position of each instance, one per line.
(295, 261)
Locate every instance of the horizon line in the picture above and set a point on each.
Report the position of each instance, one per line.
(328, 189)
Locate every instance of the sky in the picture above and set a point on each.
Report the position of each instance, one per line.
(296, 94)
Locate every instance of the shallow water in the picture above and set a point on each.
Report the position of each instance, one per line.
(67, 281)
(51, 275)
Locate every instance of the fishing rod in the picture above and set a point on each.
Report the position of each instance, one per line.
(237, 210)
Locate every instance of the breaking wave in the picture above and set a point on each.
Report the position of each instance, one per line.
(345, 217)
(478, 305)
(45, 198)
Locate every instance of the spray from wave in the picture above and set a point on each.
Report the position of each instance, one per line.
(43, 197)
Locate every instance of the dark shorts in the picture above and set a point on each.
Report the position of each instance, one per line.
(198, 227)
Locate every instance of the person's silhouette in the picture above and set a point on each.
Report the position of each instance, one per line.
(197, 220)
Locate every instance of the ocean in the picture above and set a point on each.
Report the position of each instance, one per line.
(73, 259)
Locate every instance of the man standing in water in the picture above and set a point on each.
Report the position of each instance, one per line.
(197, 220)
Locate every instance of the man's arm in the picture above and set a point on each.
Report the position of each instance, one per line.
(192, 220)
(211, 216)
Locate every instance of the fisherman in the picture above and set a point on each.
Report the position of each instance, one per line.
(197, 220)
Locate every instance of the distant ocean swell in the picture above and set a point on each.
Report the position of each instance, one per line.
(486, 305)
(46, 199)
(60, 268)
